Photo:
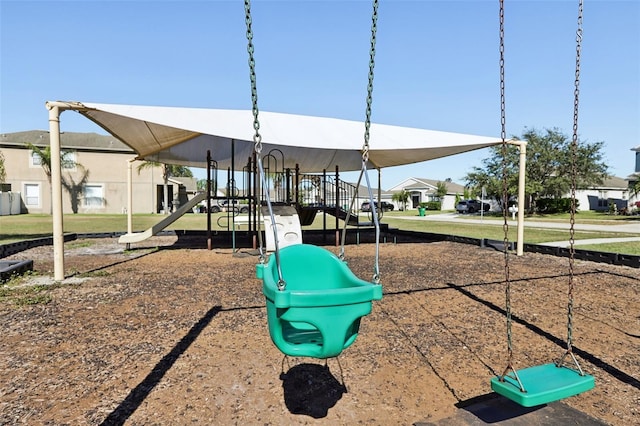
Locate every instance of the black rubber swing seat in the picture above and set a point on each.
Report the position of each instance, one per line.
(543, 384)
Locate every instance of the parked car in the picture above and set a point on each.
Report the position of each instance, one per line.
(471, 206)
(384, 206)
(235, 206)
(218, 206)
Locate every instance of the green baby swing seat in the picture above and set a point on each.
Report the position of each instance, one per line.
(544, 384)
(318, 312)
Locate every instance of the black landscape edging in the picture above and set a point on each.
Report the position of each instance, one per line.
(390, 235)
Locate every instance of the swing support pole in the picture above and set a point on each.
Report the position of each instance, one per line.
(522, 146)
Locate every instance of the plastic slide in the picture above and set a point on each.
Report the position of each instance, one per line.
(136, 237)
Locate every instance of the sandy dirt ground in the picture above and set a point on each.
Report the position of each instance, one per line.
(169, 335)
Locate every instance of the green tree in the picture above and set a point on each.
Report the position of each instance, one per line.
(634, 188)
(401, 197)
(441, 189)
(168, 171)
(549, 167)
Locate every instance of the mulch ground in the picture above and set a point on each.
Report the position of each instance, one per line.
(166, 334)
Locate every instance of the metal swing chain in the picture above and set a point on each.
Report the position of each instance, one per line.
(372, 55)
(505, 202)
(574, 172)
(367, 126)
(257, 139)
(365, 150)
(505, 194)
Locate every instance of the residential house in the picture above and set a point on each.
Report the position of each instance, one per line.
(613, 190)
(633, 179)
(98, 184)
(423, 190)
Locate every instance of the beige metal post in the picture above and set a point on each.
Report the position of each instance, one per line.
(521, 206)
(130, 196)
(55, 109)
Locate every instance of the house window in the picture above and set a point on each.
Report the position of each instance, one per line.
(36, 160)
(32, 194)
(93, 196)
(603, 199)
(69, 160)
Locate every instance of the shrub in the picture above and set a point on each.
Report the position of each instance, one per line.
(554, 205)
(431, 205)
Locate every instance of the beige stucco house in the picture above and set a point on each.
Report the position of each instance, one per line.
(97, 185)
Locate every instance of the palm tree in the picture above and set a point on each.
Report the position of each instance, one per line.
(3, 171)
(401, 197)
(634, 188)
(168, 170)
(441, 190)
(66, 162)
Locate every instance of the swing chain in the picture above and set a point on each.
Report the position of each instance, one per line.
(257, 138)
(505, 192)
(574, 172)
(372, 54)
(367, 126)
(365, 153)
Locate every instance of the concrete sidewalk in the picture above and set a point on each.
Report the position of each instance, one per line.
(591, 241)
(632, 228)
(629, 228)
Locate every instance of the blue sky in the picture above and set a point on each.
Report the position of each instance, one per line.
(436, 65)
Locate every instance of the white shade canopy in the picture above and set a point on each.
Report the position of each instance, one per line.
(183, 136)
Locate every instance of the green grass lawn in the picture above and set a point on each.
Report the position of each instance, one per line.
(28, 226)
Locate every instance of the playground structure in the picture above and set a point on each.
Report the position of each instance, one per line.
(309, 193)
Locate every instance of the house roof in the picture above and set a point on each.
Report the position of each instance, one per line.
(190, 184)
(452, 187)
(431, 185)
(613, 182)
(68, 140)
(417, 185)
(363, 192)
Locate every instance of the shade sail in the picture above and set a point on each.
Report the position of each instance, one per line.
(182, 136)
